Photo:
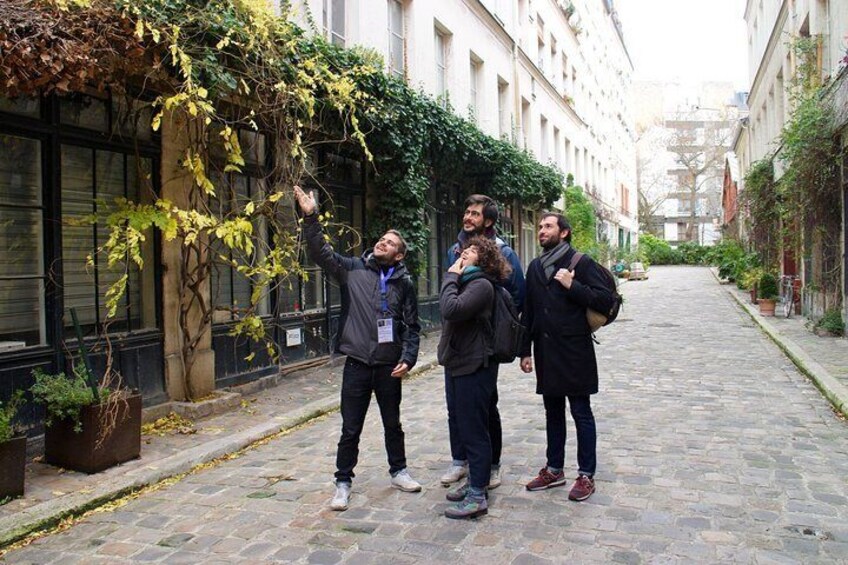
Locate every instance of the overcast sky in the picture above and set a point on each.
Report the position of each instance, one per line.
(687, 40)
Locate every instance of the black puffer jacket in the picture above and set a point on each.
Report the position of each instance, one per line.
(463, 347)
(359, 279)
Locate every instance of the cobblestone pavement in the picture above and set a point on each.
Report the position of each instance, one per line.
(712, 448)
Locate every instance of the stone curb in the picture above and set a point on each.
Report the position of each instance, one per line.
(831, 388)
(49, 513)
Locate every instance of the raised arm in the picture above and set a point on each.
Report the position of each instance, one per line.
(318, 249)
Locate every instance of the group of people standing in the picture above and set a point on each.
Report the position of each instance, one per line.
(379, 333)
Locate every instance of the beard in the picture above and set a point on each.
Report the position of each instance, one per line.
(550, 243)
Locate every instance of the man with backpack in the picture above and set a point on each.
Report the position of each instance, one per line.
(479, 219)
(560, 292)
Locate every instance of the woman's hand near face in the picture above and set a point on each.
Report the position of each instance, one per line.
(457, 267)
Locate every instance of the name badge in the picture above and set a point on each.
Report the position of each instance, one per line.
(385, 331)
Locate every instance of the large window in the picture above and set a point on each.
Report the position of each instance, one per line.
(397, 40)
(441, 65)
(474, 87)
(334, 21)
(22, 276)
(92, 180)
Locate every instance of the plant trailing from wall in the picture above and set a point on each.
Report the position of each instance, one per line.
(809, 189)
(215, 67)
(762, 202)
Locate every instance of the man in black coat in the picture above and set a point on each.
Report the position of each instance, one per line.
(379, 333)
(555, 317)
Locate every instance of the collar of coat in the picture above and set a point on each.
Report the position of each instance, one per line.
(371, 263)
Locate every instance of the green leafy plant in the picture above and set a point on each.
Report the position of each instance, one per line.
(832, 322)
(63, 396)
(767, 287)
(750, 277)
(8, 411)
(657, 251)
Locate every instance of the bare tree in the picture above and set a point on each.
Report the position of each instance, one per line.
(698, 140)
(652, 185)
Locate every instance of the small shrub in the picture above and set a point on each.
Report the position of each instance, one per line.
(767, 287)
(692, 253)
(749, 278)
(832, 322)
(8, 411)
(657, 251)
(62, 396)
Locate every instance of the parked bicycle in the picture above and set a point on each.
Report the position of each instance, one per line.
(787, 294)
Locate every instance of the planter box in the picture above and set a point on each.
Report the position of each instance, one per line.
(12, 467)
(65, 448)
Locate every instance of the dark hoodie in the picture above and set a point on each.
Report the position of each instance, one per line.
(464, 304)
(359, 279)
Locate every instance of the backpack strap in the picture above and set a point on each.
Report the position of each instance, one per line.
(574, 260)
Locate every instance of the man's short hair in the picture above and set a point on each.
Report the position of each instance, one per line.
(562, 223)
(490, 207)
(402, 245)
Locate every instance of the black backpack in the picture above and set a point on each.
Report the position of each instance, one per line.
(505, 329)
(599, 319)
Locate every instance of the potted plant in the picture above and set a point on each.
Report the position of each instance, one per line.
(767, 292)
(12, 450)
(88, 427)
(750, 280)
(830, 325)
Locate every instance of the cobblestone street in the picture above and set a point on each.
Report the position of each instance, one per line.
(712, 448)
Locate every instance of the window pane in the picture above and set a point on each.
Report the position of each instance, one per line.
(252, 147)
(338, 22)
(84, 111)
(397, 54)
(21, 313)
(20, 171)
(21, 106)
(77, 238)
(131, 122)
(396, 17)
(20, 242)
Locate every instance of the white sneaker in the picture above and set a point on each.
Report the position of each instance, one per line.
(454, 473)
(404, 482)
(495, 478)
(341, 498)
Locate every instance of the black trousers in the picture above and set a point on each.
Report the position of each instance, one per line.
(584, 422)
(472, 396)
(358, 382)
(495, 428)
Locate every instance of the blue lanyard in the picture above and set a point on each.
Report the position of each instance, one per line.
(383, 290)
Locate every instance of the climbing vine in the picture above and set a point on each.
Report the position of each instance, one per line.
(211, 69)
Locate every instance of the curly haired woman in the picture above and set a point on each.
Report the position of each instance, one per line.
(466, 300)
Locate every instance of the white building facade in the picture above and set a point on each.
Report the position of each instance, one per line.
(551, 76)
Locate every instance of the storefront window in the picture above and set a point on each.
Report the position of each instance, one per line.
(30, 107)
(92, 180)
(22, 313)
(85, 112)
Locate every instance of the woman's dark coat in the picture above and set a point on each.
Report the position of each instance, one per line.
(555, 318)
(463, 347)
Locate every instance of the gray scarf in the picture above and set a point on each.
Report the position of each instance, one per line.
(551, 256)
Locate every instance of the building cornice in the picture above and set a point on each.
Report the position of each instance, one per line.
(776, 31)
(492, 22)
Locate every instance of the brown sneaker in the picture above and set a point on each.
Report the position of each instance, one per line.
(546, 479)
(582, 488)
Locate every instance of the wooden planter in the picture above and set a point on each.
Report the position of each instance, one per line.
(767, 306)
(12, 467)
(68, 449)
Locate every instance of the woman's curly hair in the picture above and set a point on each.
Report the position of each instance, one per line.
(489, 258)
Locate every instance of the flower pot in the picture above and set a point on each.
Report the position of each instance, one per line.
(12, 467)
(83, 451)
(767, 306)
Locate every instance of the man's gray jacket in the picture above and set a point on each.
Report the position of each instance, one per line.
(359, 279)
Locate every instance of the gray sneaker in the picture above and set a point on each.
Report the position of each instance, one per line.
(458, 492)
(495, 478)
(468, 508)
(341, 498)
(404, 482)
(454, 473)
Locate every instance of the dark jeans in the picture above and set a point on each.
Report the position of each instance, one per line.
(584, 421)
(358, 382)
(495, 429)
(472, 396)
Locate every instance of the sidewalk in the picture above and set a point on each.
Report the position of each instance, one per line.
(53, 494)
(823, 359)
